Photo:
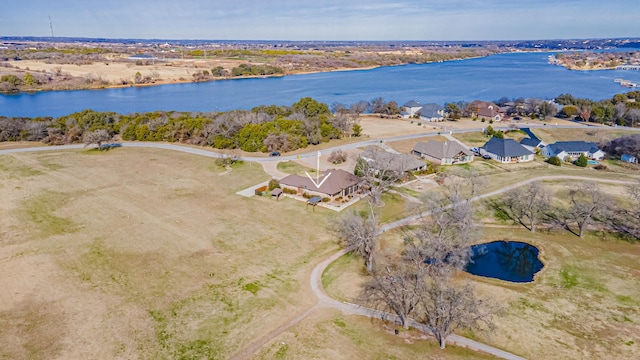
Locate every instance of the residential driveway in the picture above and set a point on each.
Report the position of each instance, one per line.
(271, 168)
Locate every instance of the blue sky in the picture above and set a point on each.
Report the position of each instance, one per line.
(323, 20)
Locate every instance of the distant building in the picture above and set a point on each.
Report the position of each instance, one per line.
(427, 112)
(487, 110)
(573, 149)
(629, 159)
(443, 152)
(410, 109)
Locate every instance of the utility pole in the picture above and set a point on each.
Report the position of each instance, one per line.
(51, 26)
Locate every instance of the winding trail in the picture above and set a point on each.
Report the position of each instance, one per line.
(324, 300)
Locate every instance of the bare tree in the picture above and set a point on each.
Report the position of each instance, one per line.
(337, 157)
(446, 307)
(96, 137)
(441, 244)
(360, 107)
(378, 173)
(623, 218)
(527, 204)
(394, 286)
(358, 235)
(587, 203)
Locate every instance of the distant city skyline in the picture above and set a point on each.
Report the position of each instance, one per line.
(323, 20)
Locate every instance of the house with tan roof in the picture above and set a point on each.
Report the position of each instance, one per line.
(380, 159)
(443, 152)
(332, 184)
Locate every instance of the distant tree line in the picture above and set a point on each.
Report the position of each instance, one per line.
(264, 128)
(255, 70)
(621, 109)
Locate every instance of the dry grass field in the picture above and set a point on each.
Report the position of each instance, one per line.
(149, 254)
(145, 254)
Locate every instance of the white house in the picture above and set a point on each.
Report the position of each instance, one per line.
(410, 109)
(573, 149)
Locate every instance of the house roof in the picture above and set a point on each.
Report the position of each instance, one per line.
(412, 104)
(334, 183)
(505, 147)
(533, 142)
(430, 110)
(486, 108)
(388, 161)
(573, 146)
(440, 149)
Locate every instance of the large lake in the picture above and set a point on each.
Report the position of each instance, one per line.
(490, 78)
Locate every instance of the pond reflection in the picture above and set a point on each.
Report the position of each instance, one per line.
(506, 260)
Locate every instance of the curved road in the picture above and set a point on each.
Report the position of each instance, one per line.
(325, 300)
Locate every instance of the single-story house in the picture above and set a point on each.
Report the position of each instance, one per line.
(629, 158)
(573, 149)
(332, 183)
(487, 110)
(380, 159)
(443, 152)
(506, 151)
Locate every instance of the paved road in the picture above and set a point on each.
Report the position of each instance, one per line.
(212, 153)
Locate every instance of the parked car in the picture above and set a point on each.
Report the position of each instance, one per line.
(275, 153)
(486, 156)
(475, 151)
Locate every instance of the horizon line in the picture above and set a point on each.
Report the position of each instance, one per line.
(46, 37)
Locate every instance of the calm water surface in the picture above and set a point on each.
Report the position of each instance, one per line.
(506, 260)
(511, 75)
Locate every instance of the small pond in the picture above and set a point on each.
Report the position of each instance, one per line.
(505, 260)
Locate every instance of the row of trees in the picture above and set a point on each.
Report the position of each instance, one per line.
(375, 106)
(420, 282)
(588, 205)
(621, 109)
(265, 128)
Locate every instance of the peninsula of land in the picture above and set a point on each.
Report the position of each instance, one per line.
(42, 66)
(597, 60)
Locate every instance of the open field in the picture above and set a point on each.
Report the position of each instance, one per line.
(583, 304)
(144, 253)
(331, 335)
